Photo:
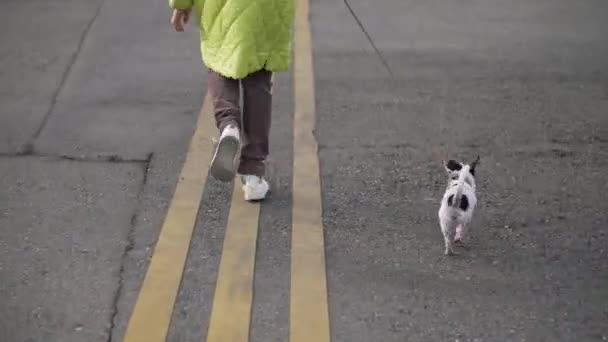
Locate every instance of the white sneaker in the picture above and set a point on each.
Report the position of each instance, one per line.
(255, 188)
(224, 163)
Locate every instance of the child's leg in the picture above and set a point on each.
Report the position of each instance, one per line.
(225, 95)
(257, 108)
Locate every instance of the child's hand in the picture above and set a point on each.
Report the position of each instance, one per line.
(179, 18)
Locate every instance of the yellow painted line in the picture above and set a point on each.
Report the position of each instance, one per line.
(309, 316)
(151, 316)
(231, 312)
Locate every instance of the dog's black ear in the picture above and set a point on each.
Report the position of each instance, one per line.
(452, 165)
(474, 165)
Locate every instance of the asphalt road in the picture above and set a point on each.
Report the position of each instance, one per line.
(98, 101)
(522, 84)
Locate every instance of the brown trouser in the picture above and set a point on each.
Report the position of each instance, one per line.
(256, 114)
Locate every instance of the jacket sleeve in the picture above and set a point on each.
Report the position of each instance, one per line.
(181, 4)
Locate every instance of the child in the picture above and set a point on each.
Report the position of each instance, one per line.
(242, 43)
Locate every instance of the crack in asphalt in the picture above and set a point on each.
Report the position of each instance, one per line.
(100, 158)
(130, 238)
(64, 78)
(128, 248)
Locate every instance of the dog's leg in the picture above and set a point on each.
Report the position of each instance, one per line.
(448, 236)
(449, 249)
(460, 232)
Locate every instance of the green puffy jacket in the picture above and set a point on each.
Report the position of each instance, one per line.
(239, 37)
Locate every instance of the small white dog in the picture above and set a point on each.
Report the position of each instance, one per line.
(458, 203)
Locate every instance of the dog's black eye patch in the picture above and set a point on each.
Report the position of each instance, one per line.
(454, 165)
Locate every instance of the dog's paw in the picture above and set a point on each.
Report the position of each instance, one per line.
(449, 252)
(458, 243)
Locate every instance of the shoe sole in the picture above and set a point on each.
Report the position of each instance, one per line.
(223, 165)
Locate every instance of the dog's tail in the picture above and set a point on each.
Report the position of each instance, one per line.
(461, 177)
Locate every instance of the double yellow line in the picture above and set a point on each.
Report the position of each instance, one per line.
(231, 312)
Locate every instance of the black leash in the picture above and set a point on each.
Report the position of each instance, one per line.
(389, 70)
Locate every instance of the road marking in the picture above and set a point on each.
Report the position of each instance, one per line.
(231, 311)
(151, 316)
(309, 316)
